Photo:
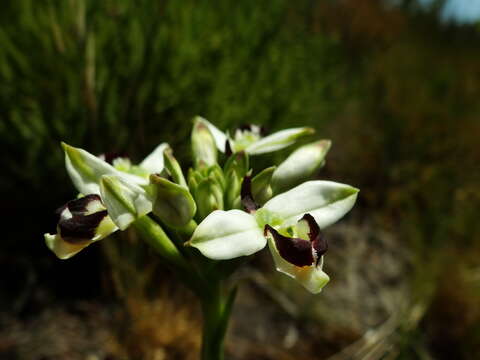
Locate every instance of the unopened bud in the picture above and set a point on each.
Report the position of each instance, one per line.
(173, 203)
(204, 147)
(300, 166)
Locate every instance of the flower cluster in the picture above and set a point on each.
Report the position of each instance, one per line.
(223, 209)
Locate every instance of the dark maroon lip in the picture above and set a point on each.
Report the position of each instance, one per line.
(318, 241)
(80, 227)
(297, 251)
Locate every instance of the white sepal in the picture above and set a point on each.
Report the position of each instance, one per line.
(154, 162)
(125, 201)
(326, 201)
(278, 140)
(311, 277)
(229, 234)
(86, 169)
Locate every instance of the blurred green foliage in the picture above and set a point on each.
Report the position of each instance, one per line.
(397, 92)
(123, 75)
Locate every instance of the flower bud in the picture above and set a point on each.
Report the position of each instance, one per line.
(300, 166)
(239, 162)
(208, 196)
(173, 203)
(173, 167)
(232, 191)
(261, 189)
(204, 147)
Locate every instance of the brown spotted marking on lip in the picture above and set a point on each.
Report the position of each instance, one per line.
(246, 195)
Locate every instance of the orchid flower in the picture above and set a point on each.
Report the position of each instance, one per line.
(114, 198)
(290, 222)
(251, 139)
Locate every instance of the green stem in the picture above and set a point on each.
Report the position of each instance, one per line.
(216, 309)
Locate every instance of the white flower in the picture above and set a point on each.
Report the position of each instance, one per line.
(291, 222)
(250, 138)
(126, 196)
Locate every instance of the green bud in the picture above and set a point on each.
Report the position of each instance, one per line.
(300, 166)
(192, 180)
(232, 191)
(239, 162)
(216, 173)
(173, 167)
(208, 196)
(173, 203)
(261, 189)
(204, 147)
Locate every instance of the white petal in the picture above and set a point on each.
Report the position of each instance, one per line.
(228, 234)
(86, 169)
(311, 277)
(154, 162)
(326, 201)
(64, 250)
(278, 140)
(218, 135)
(124, 200)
